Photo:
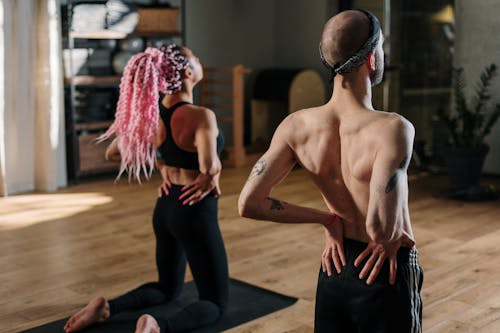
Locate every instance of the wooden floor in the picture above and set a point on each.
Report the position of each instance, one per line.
(59, 250)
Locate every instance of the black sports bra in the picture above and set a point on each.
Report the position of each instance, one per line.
(172, 154)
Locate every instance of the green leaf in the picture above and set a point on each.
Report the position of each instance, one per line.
(482, 96)
(490, 122)
(468, 127)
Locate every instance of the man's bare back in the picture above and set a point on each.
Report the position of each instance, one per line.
(338, 149)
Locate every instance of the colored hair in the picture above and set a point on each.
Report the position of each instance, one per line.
(136, 119)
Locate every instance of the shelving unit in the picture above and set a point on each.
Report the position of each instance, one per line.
(223, 91)
(109, 34)
(90, 80)
(84, 157)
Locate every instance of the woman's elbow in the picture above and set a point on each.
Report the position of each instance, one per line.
(112, 156)
(216, 167)
(211, 168)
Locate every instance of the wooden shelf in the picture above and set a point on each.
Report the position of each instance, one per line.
(110, 34)
(84, 156)
(90, 80)
(92, 126)
(91, 155)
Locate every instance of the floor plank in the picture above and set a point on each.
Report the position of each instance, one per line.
(59, 250)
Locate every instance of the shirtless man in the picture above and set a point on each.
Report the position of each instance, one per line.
(358, 158)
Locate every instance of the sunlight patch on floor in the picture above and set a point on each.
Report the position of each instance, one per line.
(25, 210)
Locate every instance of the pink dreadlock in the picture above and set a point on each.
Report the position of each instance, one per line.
(136, 119)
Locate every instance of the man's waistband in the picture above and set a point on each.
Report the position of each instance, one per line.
(405, 254)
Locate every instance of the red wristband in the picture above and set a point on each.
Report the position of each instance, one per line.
(332, 220)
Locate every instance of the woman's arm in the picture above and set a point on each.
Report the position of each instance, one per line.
(112, 152)
(208, 160)
(166, 184)
(206, 144)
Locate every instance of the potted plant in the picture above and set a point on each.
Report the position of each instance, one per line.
(468, 125)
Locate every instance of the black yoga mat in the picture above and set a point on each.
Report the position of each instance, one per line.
(246, 302)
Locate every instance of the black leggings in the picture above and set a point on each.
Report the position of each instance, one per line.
(344, 303)
(182, 232)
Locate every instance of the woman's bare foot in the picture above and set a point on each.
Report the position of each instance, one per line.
(96, 310)
(147, 324)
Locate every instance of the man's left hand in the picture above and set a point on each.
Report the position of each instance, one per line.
(334, 247)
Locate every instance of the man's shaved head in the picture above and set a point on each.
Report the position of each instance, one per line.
(343, 35)
(349, 39)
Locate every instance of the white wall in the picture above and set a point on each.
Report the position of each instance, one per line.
(257, 33)
(298, 27)
(476, 46)
(230, 32)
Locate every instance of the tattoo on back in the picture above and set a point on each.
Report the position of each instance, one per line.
(257, 169)
(276, 204)
(391, 184)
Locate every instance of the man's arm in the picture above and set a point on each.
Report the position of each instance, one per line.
(255, 201)
(389, 183)
(388, 198)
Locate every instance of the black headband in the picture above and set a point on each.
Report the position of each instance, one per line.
(361, 55)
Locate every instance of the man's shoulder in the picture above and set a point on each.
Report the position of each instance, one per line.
(304, 116)
(295, 128)
(391, 123)
(294, 120)
(301, 121)
(392, 132)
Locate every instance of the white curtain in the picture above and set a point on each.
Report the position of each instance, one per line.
(32, 142)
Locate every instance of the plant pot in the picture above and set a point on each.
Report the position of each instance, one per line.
(465, 165)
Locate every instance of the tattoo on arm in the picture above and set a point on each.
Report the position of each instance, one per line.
(276, 204)
(402, 165)
(257, 169)
(391, 184)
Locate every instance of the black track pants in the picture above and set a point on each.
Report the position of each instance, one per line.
(344, 303)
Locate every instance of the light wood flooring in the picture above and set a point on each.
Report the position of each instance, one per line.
(59, 250)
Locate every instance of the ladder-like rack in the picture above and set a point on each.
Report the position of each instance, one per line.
(222, 90)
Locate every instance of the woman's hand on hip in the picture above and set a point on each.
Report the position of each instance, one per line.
(201, 186)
